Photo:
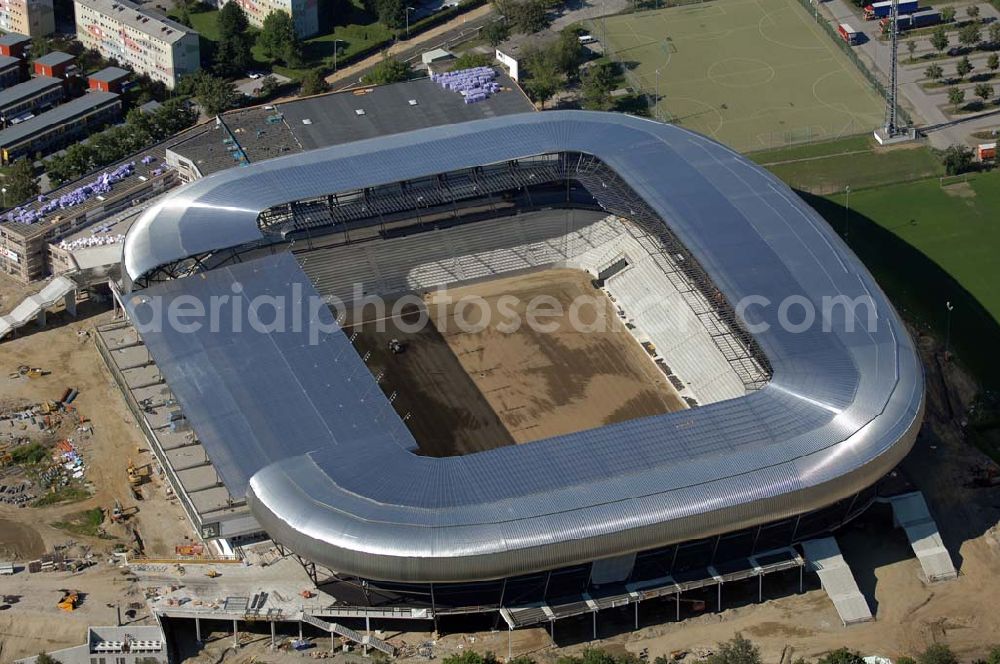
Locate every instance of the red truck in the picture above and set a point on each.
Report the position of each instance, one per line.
(848, 34)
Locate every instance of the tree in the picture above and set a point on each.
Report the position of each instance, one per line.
(20, 182)
(939, 39)
(947, 14)
(40, 46)
(526, 16)
(984, 91)
(45, 658)
(269, 86)
(970, 35)
(597, 83)
(313, 83)
(566, 53)
(278, 41)
(841, 656)
(972, 11)
(542, 85)
(495, 33)
(934, 72)
(468, 60)
(470, 657)
(994, 30)
(940, 653)
(993, 62)
(738, 650)
(911, 46)
(214, 94)
(963, 67)
(956, 96)
(994, 656)
(389, 70)
(232, 53)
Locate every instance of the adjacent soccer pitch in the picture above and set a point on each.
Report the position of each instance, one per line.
(754, 74)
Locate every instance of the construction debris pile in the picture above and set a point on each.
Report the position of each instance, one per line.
(39, 448)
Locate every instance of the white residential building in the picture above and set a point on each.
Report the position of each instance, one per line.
(304, 13)
(34, 18)
(145, 42)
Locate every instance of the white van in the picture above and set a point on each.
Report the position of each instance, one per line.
(587, 39)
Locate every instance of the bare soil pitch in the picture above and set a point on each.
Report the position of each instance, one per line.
(471, 390)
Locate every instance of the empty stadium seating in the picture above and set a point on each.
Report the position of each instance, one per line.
(648, 289)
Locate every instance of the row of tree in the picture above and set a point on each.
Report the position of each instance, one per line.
(969, 36)
(737, 650)
(139, 131)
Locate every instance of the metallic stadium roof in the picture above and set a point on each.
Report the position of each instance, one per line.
(327, 463)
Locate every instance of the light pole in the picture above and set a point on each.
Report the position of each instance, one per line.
(847, 214)
(408, 10)
(656, 100)
(4, 190)
(335, 42)
(947, 329)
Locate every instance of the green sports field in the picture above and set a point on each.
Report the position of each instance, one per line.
(754, 74)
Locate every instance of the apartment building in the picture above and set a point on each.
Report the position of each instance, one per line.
(59, 127)
(34, 18)
(304, 13)
(11, 70)
(34, 96)
(145, 42)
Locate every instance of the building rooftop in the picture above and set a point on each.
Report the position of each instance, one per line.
(153, 25)
(31, 87)
(8, 61)
(110, 74)
(55, 58)
(13, 38)
(57, 115)
(254, 134)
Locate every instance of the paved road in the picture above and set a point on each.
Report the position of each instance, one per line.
(942, 129)
(458, 29)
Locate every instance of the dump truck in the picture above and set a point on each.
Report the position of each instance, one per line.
(883, 9)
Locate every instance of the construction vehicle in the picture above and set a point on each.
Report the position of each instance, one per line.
(69, 600)
(212, 574)
(30, 372)
(117, 512)
(137, 475)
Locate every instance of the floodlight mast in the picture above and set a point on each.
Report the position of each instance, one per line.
(891, 121)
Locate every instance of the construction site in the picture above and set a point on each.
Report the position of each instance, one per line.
(161, 481)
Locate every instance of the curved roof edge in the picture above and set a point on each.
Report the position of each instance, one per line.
(842, 408)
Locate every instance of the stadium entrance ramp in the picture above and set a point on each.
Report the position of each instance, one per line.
(910, 512)
(838, 581)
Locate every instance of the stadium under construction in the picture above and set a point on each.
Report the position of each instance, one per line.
(784, 433)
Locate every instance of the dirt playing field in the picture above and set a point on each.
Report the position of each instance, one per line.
(482, 374)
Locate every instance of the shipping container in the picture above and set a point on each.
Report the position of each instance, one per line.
(919, 19)
(883, 9)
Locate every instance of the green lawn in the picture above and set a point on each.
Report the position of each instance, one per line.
(827, 168)
(753, 74)
(927, 241)
(929, 244)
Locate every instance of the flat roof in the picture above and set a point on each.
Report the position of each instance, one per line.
(8, 61)
(54, 59)
(156, 26)
(333, 118)
(275, 130)
(57, 116)
(29, 88)
(110, 74)
(302, 423)
(13, 38)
